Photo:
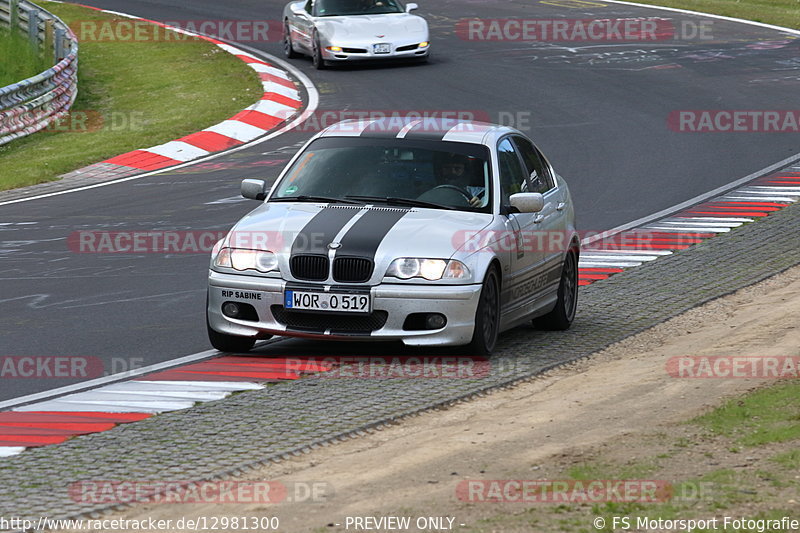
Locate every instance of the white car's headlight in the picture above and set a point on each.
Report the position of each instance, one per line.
(240, 259)
(430, 269)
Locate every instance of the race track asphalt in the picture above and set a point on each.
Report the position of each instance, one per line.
(599, 111)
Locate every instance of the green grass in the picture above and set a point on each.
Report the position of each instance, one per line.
(790, 459)
(18, 59)
(767, 415)
(779, 12)
(136, 94)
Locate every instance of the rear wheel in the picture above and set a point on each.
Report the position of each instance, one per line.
(562, 315)
(487, 316)
(316, 56)
(288, 48)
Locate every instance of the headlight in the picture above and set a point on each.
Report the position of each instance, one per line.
(239, 259)
(424, 44)
(430, 269)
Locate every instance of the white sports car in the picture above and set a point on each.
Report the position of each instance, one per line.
(335, 31)
(426, 231)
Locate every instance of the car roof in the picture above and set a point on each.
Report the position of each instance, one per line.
(416, 128)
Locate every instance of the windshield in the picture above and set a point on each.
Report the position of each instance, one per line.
(333, 8)
(448, 174)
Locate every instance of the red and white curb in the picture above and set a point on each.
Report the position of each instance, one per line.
(54, 421)
(280, 102)
(605, 257)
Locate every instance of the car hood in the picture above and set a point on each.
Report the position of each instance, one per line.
(367, 28)
(381, 234)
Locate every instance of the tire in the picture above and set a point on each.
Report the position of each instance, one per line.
(288, 49)
(562, 315)
(230, 343)
(316, 56)
(487, 316)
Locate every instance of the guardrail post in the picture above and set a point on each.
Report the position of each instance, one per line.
(49, 37)
(60, 34)
(33, 27)
(13, 15)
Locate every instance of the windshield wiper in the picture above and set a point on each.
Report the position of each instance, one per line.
(306, 198)
(401, 201)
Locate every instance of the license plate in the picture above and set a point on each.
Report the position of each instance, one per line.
(327, 301)
(382, 48)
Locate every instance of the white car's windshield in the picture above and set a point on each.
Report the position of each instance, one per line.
(333, 8)
(404, 172)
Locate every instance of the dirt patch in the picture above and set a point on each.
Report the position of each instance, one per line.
(617, 414)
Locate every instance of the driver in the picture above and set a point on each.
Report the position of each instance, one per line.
(456, 170)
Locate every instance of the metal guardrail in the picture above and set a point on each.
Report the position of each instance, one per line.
(32, 104)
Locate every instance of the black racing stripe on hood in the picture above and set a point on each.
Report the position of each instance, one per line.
(363, 239)
(321, 230)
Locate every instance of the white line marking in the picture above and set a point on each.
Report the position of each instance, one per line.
(590, 251)
(106, 407)
(621, 257)
(144, 396)
(779, 199)
(234, 129)
(702, 14)
(691, 223)
(108, 379)
(718, 219)
(694, 229)
(8, 451)
(178, 150)
(232, 386)
(606, 264)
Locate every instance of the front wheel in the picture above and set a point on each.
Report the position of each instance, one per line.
(229, 343)
(487, 316)
(316, 57)
(562, 315)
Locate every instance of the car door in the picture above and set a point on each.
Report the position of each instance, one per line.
(302, 25)
(551, 221)
(522, 253)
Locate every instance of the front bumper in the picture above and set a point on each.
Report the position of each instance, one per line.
(457, 302)
(328, 55)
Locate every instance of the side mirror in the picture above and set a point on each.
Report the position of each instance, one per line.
(299, 11)
(411, 7)
(255, 189)
(527, 202)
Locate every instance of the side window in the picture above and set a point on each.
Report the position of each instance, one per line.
(512, 175)
(309, 7)
(541, 180)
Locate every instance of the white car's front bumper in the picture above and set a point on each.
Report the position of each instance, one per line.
(368, 54)
(458, 303)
